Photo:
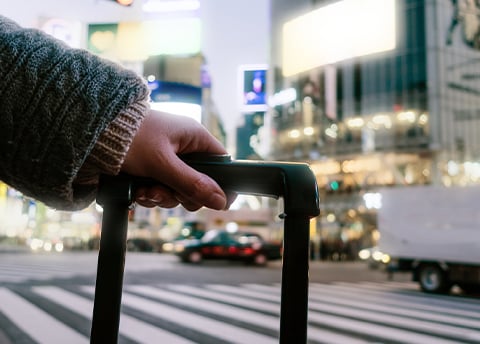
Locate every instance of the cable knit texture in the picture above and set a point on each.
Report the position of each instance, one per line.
(60, 107)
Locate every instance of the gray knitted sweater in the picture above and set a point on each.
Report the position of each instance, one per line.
(65, 116)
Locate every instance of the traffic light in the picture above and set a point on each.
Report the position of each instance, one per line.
(334, 185)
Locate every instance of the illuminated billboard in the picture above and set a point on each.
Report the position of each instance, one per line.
(176, 98)
(253, 85)
(342, 30)
(135, 41)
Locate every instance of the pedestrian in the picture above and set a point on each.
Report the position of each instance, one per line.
(67, 116)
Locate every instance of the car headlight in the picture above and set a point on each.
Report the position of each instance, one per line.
(167, 247)
(377, 255)
(59, 247)
(364, 254)
(179, 248)
(35, 244)
(47, 246)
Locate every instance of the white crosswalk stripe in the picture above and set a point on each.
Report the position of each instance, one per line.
(38, 324)
(263, 306)
(247, 313)
(141, 332)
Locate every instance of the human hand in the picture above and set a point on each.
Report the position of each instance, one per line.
(154, 153)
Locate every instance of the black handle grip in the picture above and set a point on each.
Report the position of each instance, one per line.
(295, 182)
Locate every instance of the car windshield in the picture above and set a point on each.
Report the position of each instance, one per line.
(223, 236)
(211, 235)
(245, 238)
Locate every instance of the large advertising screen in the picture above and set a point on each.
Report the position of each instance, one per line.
(337, 32)
(176, 98)
(253, 80)
(135, 41)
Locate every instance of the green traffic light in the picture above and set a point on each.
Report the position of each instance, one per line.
(334, 185)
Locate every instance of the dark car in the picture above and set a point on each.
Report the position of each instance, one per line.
(144, 245)
(139, 245)
(221, 244)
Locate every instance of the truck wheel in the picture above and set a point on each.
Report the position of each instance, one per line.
(433, 279)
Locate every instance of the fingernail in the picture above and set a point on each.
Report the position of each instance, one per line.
(156, 198)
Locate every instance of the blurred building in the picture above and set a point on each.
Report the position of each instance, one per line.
(166, 49)
(386, 93)
(182, 85)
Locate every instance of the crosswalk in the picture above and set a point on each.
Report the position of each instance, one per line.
(366, 312)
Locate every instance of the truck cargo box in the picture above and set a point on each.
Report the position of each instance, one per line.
(431, 223)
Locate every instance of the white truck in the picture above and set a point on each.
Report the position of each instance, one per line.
(434, 232)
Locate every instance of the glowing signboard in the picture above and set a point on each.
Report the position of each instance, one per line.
(253, 85)
(337, 32)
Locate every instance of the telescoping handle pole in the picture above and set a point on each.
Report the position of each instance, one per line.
(294, 182)
(115, 195)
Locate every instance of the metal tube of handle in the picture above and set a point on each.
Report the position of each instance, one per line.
(116, 197)
(294, 301)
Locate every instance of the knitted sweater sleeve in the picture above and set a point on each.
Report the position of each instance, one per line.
(59, 108)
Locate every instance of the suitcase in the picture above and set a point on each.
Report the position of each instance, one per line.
(294, 182)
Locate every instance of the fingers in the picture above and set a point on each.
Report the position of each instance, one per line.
(160, 196)
(154, 153)
(179, 183)
(192, 188)
(156, 196)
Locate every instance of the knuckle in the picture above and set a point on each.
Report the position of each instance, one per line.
(197, 188)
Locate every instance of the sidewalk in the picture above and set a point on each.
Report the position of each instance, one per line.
(11, 248)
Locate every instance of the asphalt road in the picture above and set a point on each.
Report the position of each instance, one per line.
(219, 302)
(149, 268)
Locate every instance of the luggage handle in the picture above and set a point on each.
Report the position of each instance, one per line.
(295, 182)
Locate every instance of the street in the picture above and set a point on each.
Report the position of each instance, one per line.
(148, 268)
(48, 298)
